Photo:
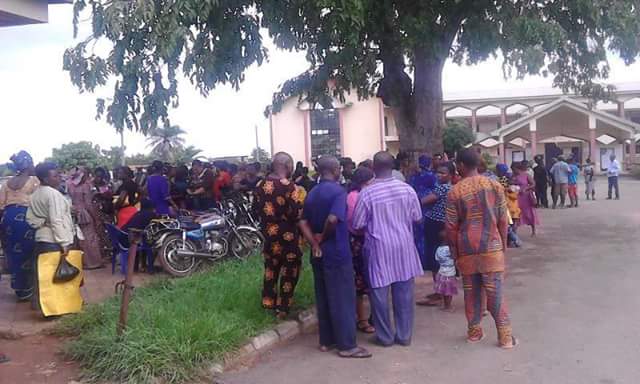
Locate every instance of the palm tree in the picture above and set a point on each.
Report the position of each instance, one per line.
(165, 141)
(186, 155)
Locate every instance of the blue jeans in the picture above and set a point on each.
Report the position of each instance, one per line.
(402, 293)
(336, 304)
(613, 183)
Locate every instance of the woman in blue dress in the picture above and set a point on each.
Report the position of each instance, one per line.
(17, 236)
(423, 181)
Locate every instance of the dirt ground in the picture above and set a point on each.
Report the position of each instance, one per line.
(570, 292)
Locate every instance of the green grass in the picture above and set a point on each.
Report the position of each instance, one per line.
(175, 324)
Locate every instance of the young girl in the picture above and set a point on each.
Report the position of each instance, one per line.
(446, 283)
(360, 179)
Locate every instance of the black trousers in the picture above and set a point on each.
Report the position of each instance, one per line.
(336, 304)
(541, 195)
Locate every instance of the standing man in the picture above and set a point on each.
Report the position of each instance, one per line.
(280, 207)
(476, 225)
(540, 176)
(613, 172)
(560, 173)
(324, 226)
(386, 211)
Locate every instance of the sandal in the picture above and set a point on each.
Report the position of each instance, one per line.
(514, 343)
(355, 353)
(475, 335)
(364, 327)
(429, 302)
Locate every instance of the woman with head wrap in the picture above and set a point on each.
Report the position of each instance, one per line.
(423, 181)
(80, 189)
(17, 235)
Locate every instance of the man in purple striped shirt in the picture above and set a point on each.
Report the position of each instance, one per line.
(386, 211)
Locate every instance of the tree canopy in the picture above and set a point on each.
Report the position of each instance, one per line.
(82, 153)
(166, 142)
(457, 135)
(393, 48)
(259, 154)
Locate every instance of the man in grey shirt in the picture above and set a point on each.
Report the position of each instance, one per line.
(560, 173)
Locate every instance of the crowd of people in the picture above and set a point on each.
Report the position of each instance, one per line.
(372, 228)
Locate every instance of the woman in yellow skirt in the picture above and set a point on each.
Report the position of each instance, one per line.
(50, 214)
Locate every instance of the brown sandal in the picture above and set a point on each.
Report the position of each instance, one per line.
(364, 327)
(514, 343)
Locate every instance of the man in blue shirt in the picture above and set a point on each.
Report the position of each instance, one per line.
(574, 171)
(324, 226)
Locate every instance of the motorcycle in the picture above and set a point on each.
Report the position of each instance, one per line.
(185, 242)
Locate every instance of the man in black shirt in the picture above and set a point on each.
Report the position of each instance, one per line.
(541, 177)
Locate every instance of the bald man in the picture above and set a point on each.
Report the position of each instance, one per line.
(386, 212)
(324, 225)
(279, 204)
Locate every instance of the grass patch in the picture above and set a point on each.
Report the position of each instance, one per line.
(175, 324)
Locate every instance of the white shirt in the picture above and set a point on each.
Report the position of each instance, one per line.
(614, 169)
(50, 214)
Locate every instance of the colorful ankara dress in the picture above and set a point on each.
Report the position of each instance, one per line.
(18, 236)
(279, 204)
(476, 225)
(386, 211)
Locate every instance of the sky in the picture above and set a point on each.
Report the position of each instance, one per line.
(40, 109)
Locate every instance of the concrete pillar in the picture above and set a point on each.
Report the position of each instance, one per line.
(533, 130)
(474, 121)
(632, 152)
(503, 117)
(593, 145)
(502, 150)
(621, 111)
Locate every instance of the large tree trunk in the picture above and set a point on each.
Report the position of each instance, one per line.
(421, 123)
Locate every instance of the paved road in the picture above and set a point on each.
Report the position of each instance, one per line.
(572, 293)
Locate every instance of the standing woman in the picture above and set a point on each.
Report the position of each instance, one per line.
(17, 235)
(423, 182)
(434, 224)
(526, 197)
(80, 189)
(127, 197)
(360, 178)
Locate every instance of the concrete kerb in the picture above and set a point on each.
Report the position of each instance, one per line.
(306, 322)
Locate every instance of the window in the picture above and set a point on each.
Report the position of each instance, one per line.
(325, 133)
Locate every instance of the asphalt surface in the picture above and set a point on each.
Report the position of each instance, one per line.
(573, 303)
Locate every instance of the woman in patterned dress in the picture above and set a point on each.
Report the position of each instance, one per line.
(17, 236)
(360, 179)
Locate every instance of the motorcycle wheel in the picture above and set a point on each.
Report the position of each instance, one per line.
(254, 241)
(179, 266)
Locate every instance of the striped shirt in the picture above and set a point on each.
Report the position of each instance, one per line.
(386, 211)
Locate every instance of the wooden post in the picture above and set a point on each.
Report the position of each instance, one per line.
(135, 237)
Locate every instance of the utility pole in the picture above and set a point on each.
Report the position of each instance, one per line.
(257, 145)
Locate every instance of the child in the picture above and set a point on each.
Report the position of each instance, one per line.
(589, 180)
(446, 283)
(511, 194)
(573, 182)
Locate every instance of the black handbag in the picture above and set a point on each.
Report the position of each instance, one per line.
(65, 271)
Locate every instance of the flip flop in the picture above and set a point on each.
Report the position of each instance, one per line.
(355, 353)
(364, 327)
(514, 343)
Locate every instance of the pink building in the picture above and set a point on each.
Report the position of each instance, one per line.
(508, 125)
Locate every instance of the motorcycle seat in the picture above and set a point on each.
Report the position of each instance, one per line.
(190, 225)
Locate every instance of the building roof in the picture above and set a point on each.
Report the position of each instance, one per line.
(564, 101)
